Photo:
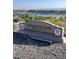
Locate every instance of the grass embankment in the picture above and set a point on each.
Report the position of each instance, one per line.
(60, 21)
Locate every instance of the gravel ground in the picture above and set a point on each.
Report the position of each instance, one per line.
(33, 49)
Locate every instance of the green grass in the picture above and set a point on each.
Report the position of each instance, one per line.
(60, 22)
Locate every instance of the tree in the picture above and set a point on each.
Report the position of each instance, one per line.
(26, 17)
(15, 20)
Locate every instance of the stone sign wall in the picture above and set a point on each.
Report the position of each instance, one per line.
(42, 30)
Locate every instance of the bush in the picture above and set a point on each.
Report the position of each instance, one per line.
(15, 20)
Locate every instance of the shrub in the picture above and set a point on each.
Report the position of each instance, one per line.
(15, 20)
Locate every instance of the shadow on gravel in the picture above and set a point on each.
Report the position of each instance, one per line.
(20, 39)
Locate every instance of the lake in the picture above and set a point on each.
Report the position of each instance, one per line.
(44, 15)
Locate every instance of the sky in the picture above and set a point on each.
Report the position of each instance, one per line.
(38, 4)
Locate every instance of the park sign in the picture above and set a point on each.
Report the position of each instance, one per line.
(42, 30)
